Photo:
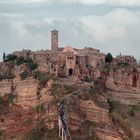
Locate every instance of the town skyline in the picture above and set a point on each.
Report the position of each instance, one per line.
(108, 26)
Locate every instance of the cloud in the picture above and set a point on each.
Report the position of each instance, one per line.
(83, 2)
(116, 31)
(117, 35)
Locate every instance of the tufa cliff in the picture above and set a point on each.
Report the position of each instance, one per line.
(102, 102)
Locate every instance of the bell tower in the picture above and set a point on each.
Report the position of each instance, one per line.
(54, 40)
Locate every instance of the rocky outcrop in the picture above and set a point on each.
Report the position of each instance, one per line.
(30, 105)
(5, 87)
(6, 70)
(125, 77)
(124, 85)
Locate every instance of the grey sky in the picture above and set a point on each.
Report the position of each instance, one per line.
(108, 25)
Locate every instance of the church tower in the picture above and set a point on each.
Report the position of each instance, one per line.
(54, 40)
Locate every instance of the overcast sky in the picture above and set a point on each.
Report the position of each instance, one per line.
(109, 25)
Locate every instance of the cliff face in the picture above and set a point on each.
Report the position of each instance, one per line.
(124, 85)
(29, 105)
(107, 110)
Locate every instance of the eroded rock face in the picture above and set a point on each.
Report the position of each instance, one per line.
(6, 70)
(26, 92)
(33, 103)
(28, 107)
(125, 77)
(124, 85)
(5, 87)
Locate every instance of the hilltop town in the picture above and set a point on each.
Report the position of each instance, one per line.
(69, 61)
(69, 93)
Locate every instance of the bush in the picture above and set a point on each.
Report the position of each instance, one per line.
(39, 108)
(134, 109)
(19, 60)
(38, 132)
(109, 58)
(27, 122)
(28, 60)
(69, 88)
(32, 66)
(42, 77)
(5, 102)
(11, 57)
(24, 75)
(11, 97)
(38, 95)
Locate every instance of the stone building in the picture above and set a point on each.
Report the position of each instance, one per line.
(126, 59)
(64, 61)
(54, 40)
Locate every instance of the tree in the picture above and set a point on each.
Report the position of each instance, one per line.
(109, 58)
(11, 57)
(4, 56)
(32, 66)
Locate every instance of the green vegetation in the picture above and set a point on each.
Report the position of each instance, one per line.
(91, 123)
(20, 60)
(69, 88)
(53, 77)
(10, 97)
(123, 65)
(133, 110)
(86, 132)
(87, 79)
(24, 75)
(32, 66)
(39, 108)
(2, 77)
(123, 122)
(38, 133)
(4, 57)
(38, 95)
(109, 58)
(53, 134)
(5, 102)
(120, 114)
(10, 57)
(42, 77)
(2, 137)
(27, 122)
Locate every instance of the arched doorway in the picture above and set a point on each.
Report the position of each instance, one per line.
(70, 72)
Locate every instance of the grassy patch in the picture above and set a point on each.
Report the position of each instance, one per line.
(27, 122)
(42, 77)
(24, 75)
(38, 133)
(5, 102)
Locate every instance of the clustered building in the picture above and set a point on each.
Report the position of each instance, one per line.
(65, 61)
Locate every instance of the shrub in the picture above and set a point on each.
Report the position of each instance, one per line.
(90, 123)
(69, 88)
(24, 75)
(32, 66)
(133, 110)
(38, 132)
(11, 57)
(38, 95)
(5, 102)
(28, 60)
(27, 122)
(109, 58)
(19, 60)
(4, 57)
(42, 77)
(11, 97)
(39, 108)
